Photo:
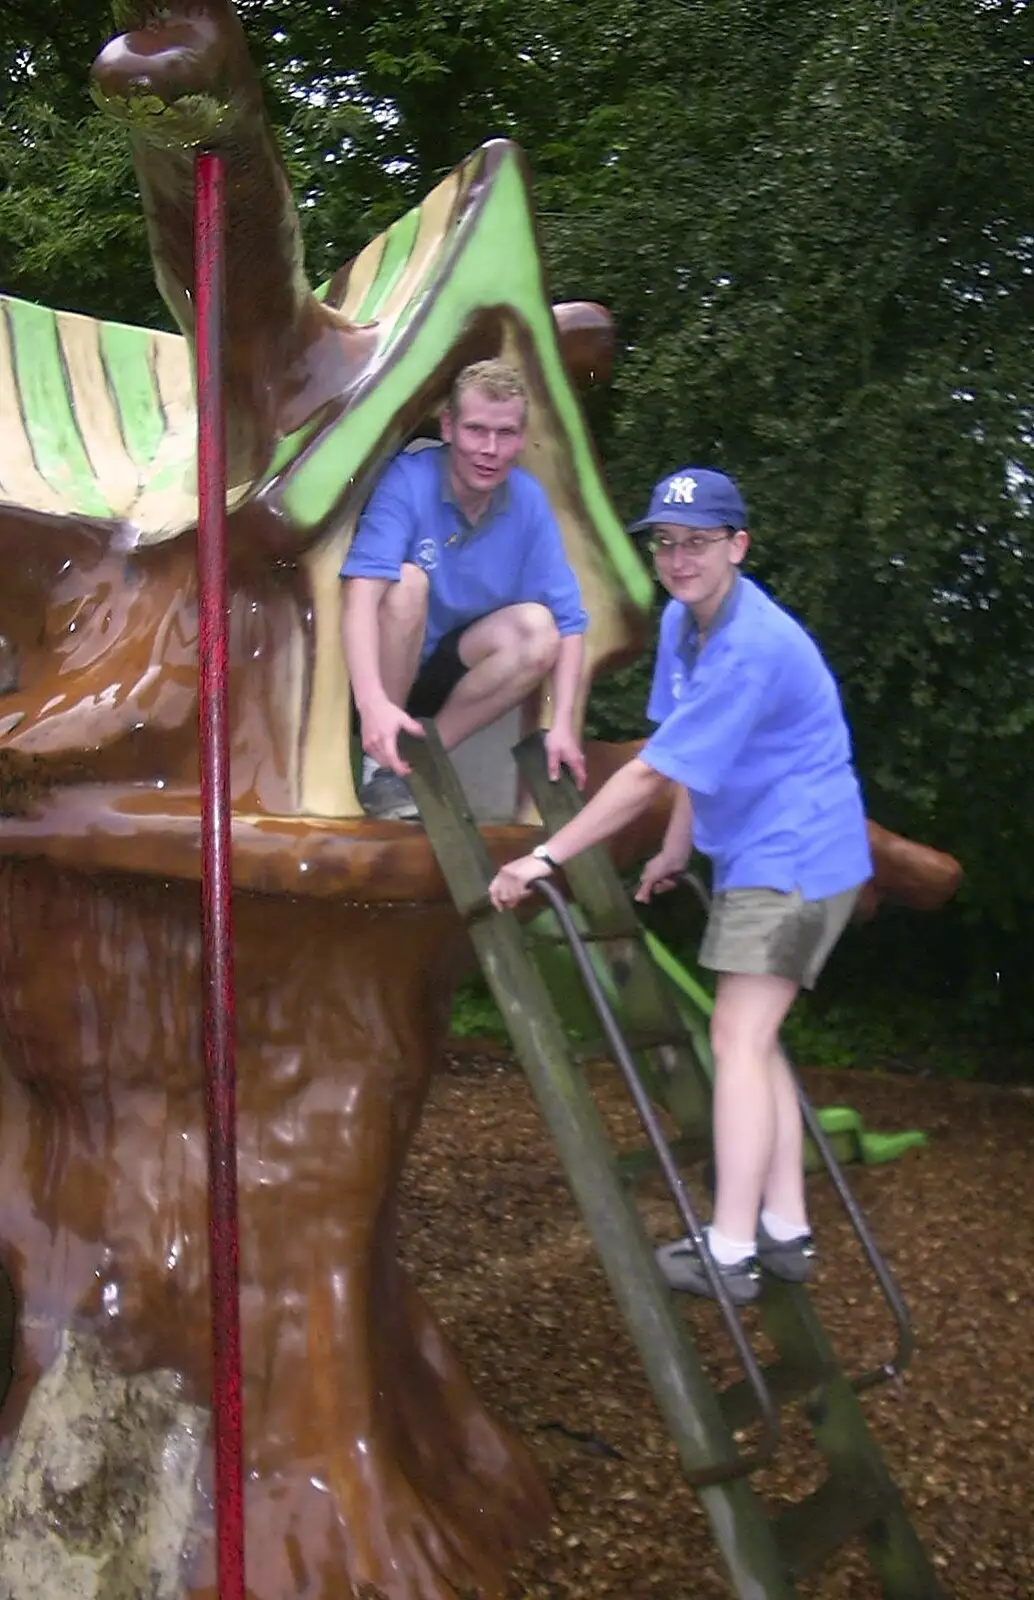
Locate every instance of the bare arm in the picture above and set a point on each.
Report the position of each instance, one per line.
(382, 720)
(561, 744)
(567, 676)
(360, 638)
(678, 836)
(621, 799)
(662, 870)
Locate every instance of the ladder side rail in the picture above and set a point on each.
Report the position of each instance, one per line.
(852, 1455)
(646, 995)
(841, 1432)
(572, 1117)
(768, 1444)
(680, 1386)
(763, 1556)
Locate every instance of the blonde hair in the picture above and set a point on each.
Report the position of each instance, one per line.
(495, 380)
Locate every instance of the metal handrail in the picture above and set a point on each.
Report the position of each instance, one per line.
(893, 1368)
(744, 1464)
(891, 1293)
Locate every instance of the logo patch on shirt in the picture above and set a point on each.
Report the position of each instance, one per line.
(678, 683)
(680, 492)
(427, 555)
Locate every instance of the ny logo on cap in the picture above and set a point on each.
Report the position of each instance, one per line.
(680, 492)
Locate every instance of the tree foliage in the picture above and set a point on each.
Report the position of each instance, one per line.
(815, 229)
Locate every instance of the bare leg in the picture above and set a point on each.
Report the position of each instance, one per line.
(749, 1147)
(783, 1190)
(507, 654)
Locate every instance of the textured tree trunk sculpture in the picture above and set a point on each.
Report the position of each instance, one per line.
(369, 1459)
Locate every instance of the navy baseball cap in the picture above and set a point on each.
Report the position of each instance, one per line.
(695, 497)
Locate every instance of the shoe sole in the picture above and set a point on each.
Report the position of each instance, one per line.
(798, 1271)
(740, 1294)
(703, 1291)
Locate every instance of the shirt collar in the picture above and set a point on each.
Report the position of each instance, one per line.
(690, 645)
(498, 501)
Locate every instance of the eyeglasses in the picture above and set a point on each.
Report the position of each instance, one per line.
(696, 544)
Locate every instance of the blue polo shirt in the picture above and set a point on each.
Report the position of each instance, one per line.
(513, 555)
(751, 723)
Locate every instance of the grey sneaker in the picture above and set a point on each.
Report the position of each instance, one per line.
(791, 1260)
(684, 1270)
(386, 796)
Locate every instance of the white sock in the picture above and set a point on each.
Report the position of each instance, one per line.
(727, 1252)
(782, 1232)
(370, 766)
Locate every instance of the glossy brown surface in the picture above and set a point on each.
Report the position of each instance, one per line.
(369, 1458)
(587, 340)
(372, 1468)
(179, 77)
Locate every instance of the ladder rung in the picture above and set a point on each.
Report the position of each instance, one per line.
(635, 1038)
(787, 1381)
(635, 1165)
(814, 1529)
(587, 936)
(771, 1550)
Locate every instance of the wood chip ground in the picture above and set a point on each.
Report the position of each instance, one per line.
(498, 1247)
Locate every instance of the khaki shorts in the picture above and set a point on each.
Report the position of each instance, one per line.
(764, 931)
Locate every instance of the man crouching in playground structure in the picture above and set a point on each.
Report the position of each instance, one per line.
(752, 732)
(458, 597)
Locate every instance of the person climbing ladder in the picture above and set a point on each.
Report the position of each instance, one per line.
(751, 732)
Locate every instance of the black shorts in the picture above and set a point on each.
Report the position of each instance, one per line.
(438, 676)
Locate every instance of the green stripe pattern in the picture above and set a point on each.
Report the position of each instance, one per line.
(128, 362)
(48, 410)
(398, 247)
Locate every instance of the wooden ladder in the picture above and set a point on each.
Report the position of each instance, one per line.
(663, 1058)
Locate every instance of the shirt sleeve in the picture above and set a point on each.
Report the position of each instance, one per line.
(385, 529)
(548, 577)
(704, 736)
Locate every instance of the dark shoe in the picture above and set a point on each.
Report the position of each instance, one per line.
(386, 797)
(684, 1270)
(789, 1259)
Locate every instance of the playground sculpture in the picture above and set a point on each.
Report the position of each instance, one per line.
(372, 1469)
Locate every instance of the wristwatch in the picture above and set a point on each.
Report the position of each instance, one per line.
(541, 853)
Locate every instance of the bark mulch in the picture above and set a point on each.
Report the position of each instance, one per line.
(499, 1249)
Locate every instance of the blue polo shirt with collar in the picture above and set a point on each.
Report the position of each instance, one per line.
(751, 723)
(513, 555)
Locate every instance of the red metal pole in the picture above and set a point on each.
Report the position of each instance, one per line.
(216, 901)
